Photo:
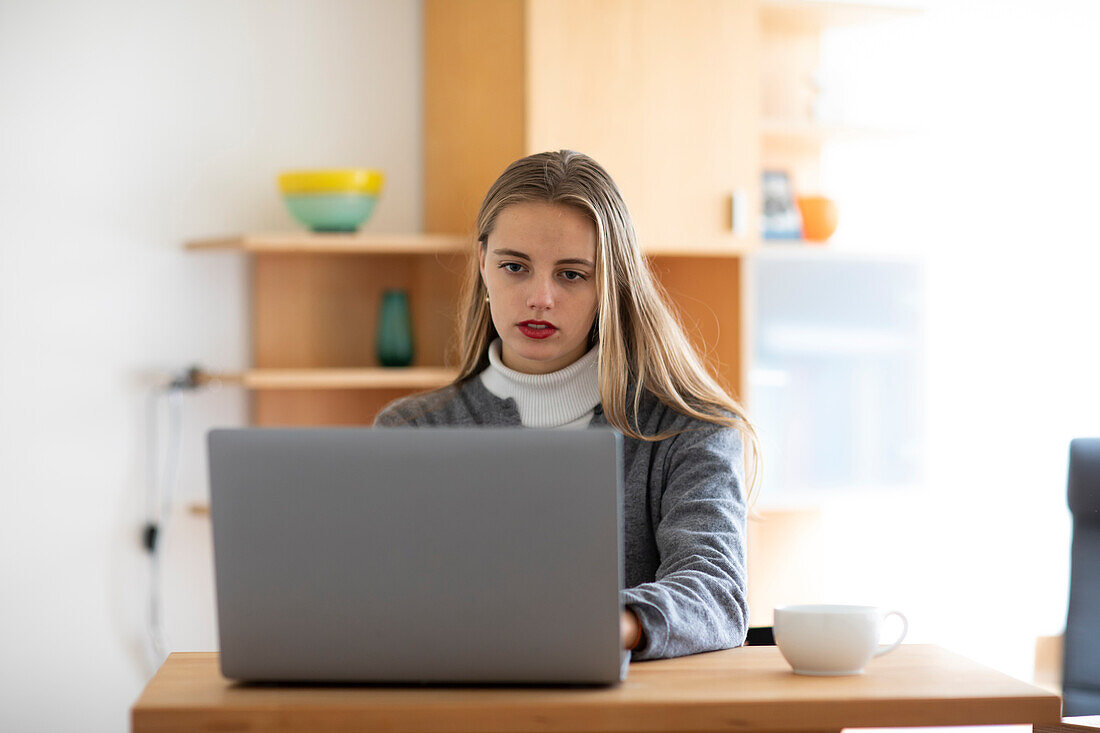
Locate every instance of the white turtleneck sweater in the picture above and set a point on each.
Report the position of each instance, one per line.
(562, 399)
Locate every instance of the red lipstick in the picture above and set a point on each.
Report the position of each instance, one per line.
(537, 329)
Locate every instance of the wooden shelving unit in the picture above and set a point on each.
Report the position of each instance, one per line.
(685, 111)
(314, 300)
(314, 304)
(684, 103)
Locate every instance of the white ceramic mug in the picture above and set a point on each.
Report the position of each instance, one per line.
(832, 640)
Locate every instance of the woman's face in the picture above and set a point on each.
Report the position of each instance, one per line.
(539, 267)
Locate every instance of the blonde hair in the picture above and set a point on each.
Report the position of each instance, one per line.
(640, 339)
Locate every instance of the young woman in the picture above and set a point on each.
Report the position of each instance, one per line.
(564, 326)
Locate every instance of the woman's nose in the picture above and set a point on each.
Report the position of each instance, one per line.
(541, 295)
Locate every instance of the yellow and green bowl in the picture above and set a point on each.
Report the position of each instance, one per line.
(332, 200)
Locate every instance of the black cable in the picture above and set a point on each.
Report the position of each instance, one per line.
(149, 537)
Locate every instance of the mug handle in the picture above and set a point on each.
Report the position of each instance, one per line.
(904, 631)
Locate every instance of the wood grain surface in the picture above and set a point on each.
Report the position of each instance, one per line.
(743, 689)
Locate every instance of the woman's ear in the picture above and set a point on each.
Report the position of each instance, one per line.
(481, 262)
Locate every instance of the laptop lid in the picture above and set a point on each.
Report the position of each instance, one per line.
(448, 555)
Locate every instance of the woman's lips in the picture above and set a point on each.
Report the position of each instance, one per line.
(536, 333)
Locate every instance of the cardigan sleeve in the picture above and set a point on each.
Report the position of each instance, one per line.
(390, 416)
(416, 410)
(697, 602)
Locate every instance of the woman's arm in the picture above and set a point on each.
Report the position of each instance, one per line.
(697, 602)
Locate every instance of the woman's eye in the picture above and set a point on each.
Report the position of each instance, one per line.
(573, 275)
(508, 265)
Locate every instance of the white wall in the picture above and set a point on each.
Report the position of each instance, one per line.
(127, 128)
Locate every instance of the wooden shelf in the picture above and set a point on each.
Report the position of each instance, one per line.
(367, 378)
(792, 247)
(805, 250)
(787, 132)
(738, 250)
(335, 243)
(380, 244)
(807, 16)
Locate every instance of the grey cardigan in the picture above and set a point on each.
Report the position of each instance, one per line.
(683, 515)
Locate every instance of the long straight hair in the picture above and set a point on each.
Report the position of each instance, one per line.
(640, 339)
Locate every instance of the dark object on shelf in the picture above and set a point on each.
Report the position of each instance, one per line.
(781, 219)
(1081, 659)
(394, 343)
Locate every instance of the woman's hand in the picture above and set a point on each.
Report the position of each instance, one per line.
(630, 629)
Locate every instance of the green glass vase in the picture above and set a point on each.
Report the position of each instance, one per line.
(394, 343)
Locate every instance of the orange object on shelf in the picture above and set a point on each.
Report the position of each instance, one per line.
(818, 217)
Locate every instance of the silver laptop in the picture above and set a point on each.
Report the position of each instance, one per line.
(431, 555)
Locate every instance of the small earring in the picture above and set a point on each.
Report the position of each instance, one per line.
(486, 297)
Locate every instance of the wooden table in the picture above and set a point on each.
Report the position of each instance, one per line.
(744, 689)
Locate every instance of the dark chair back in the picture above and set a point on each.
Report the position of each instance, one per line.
(760, 636)
(1081, 659)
